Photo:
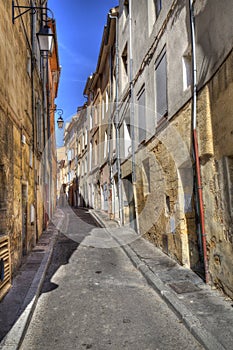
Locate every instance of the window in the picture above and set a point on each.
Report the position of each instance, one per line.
(187, 71)
(161, 86)
(69, 155)
(96, 152)
(105, 144)
(114, 86)
(127, 140)
(85, 168)
(103, 113)
(122, 137)
(126, 8)
(83, 141)
(158, 7)
(39, 126)
(125, 60)
(124, 67)
(95, 115)
(146, 177)
(31, 157)
(85, 138)
(141, 115)
(113, 138)
(91, 122)
(106, 101)
(32, 214)
(90, 157)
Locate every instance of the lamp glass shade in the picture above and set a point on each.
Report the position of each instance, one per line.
(45, 38)
(60, 122)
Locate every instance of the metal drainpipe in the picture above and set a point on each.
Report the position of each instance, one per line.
(33, 117)
(195, 143)
(117, 124)
(108, 141)
(132, 117)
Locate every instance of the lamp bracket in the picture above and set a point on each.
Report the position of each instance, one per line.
(33, 9)
(59, 111)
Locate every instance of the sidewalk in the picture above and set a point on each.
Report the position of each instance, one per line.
(18, 305)
(206, 312)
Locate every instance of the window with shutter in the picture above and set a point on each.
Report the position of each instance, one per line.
(158, 7)
(161, 86)
(141, 115)
(39, 126)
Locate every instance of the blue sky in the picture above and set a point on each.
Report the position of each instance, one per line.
(80, 27)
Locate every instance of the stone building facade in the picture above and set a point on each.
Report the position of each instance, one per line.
(70, 144)
(61, 176)
(165, 70)
(26, 126)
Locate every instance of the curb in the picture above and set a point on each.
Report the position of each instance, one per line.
(15, 336)
(97, 219)
(190, 321)
(100, 221)
(185, 315)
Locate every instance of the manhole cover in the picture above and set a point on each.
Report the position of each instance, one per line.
(184, 287)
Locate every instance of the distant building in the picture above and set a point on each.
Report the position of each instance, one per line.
(70, 143)
(61, 181)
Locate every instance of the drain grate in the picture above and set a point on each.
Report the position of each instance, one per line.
(184, 287)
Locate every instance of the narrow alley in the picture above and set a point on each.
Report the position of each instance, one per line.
(94, 298)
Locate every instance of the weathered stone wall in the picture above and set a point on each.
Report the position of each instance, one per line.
(173, 226)
(16, 135)
(23, 178)
(165, 200)
(215, 110)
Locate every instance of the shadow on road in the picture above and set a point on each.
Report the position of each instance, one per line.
(20, 297)
(62, 252)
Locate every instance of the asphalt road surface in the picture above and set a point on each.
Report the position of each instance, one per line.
(94, 298)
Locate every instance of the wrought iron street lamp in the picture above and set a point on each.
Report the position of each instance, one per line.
(60, 120)
(45, 35)
(45, 38)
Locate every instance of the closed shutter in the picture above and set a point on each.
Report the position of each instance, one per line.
(161, 87)
(5, 266)
(141, 116)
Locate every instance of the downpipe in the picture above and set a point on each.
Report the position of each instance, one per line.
(116, 122)
(200, 208)
(132, 120)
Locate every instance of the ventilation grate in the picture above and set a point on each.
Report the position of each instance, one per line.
(5, 266)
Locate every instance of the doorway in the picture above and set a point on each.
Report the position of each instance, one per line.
(24, 218)
(128, 189)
